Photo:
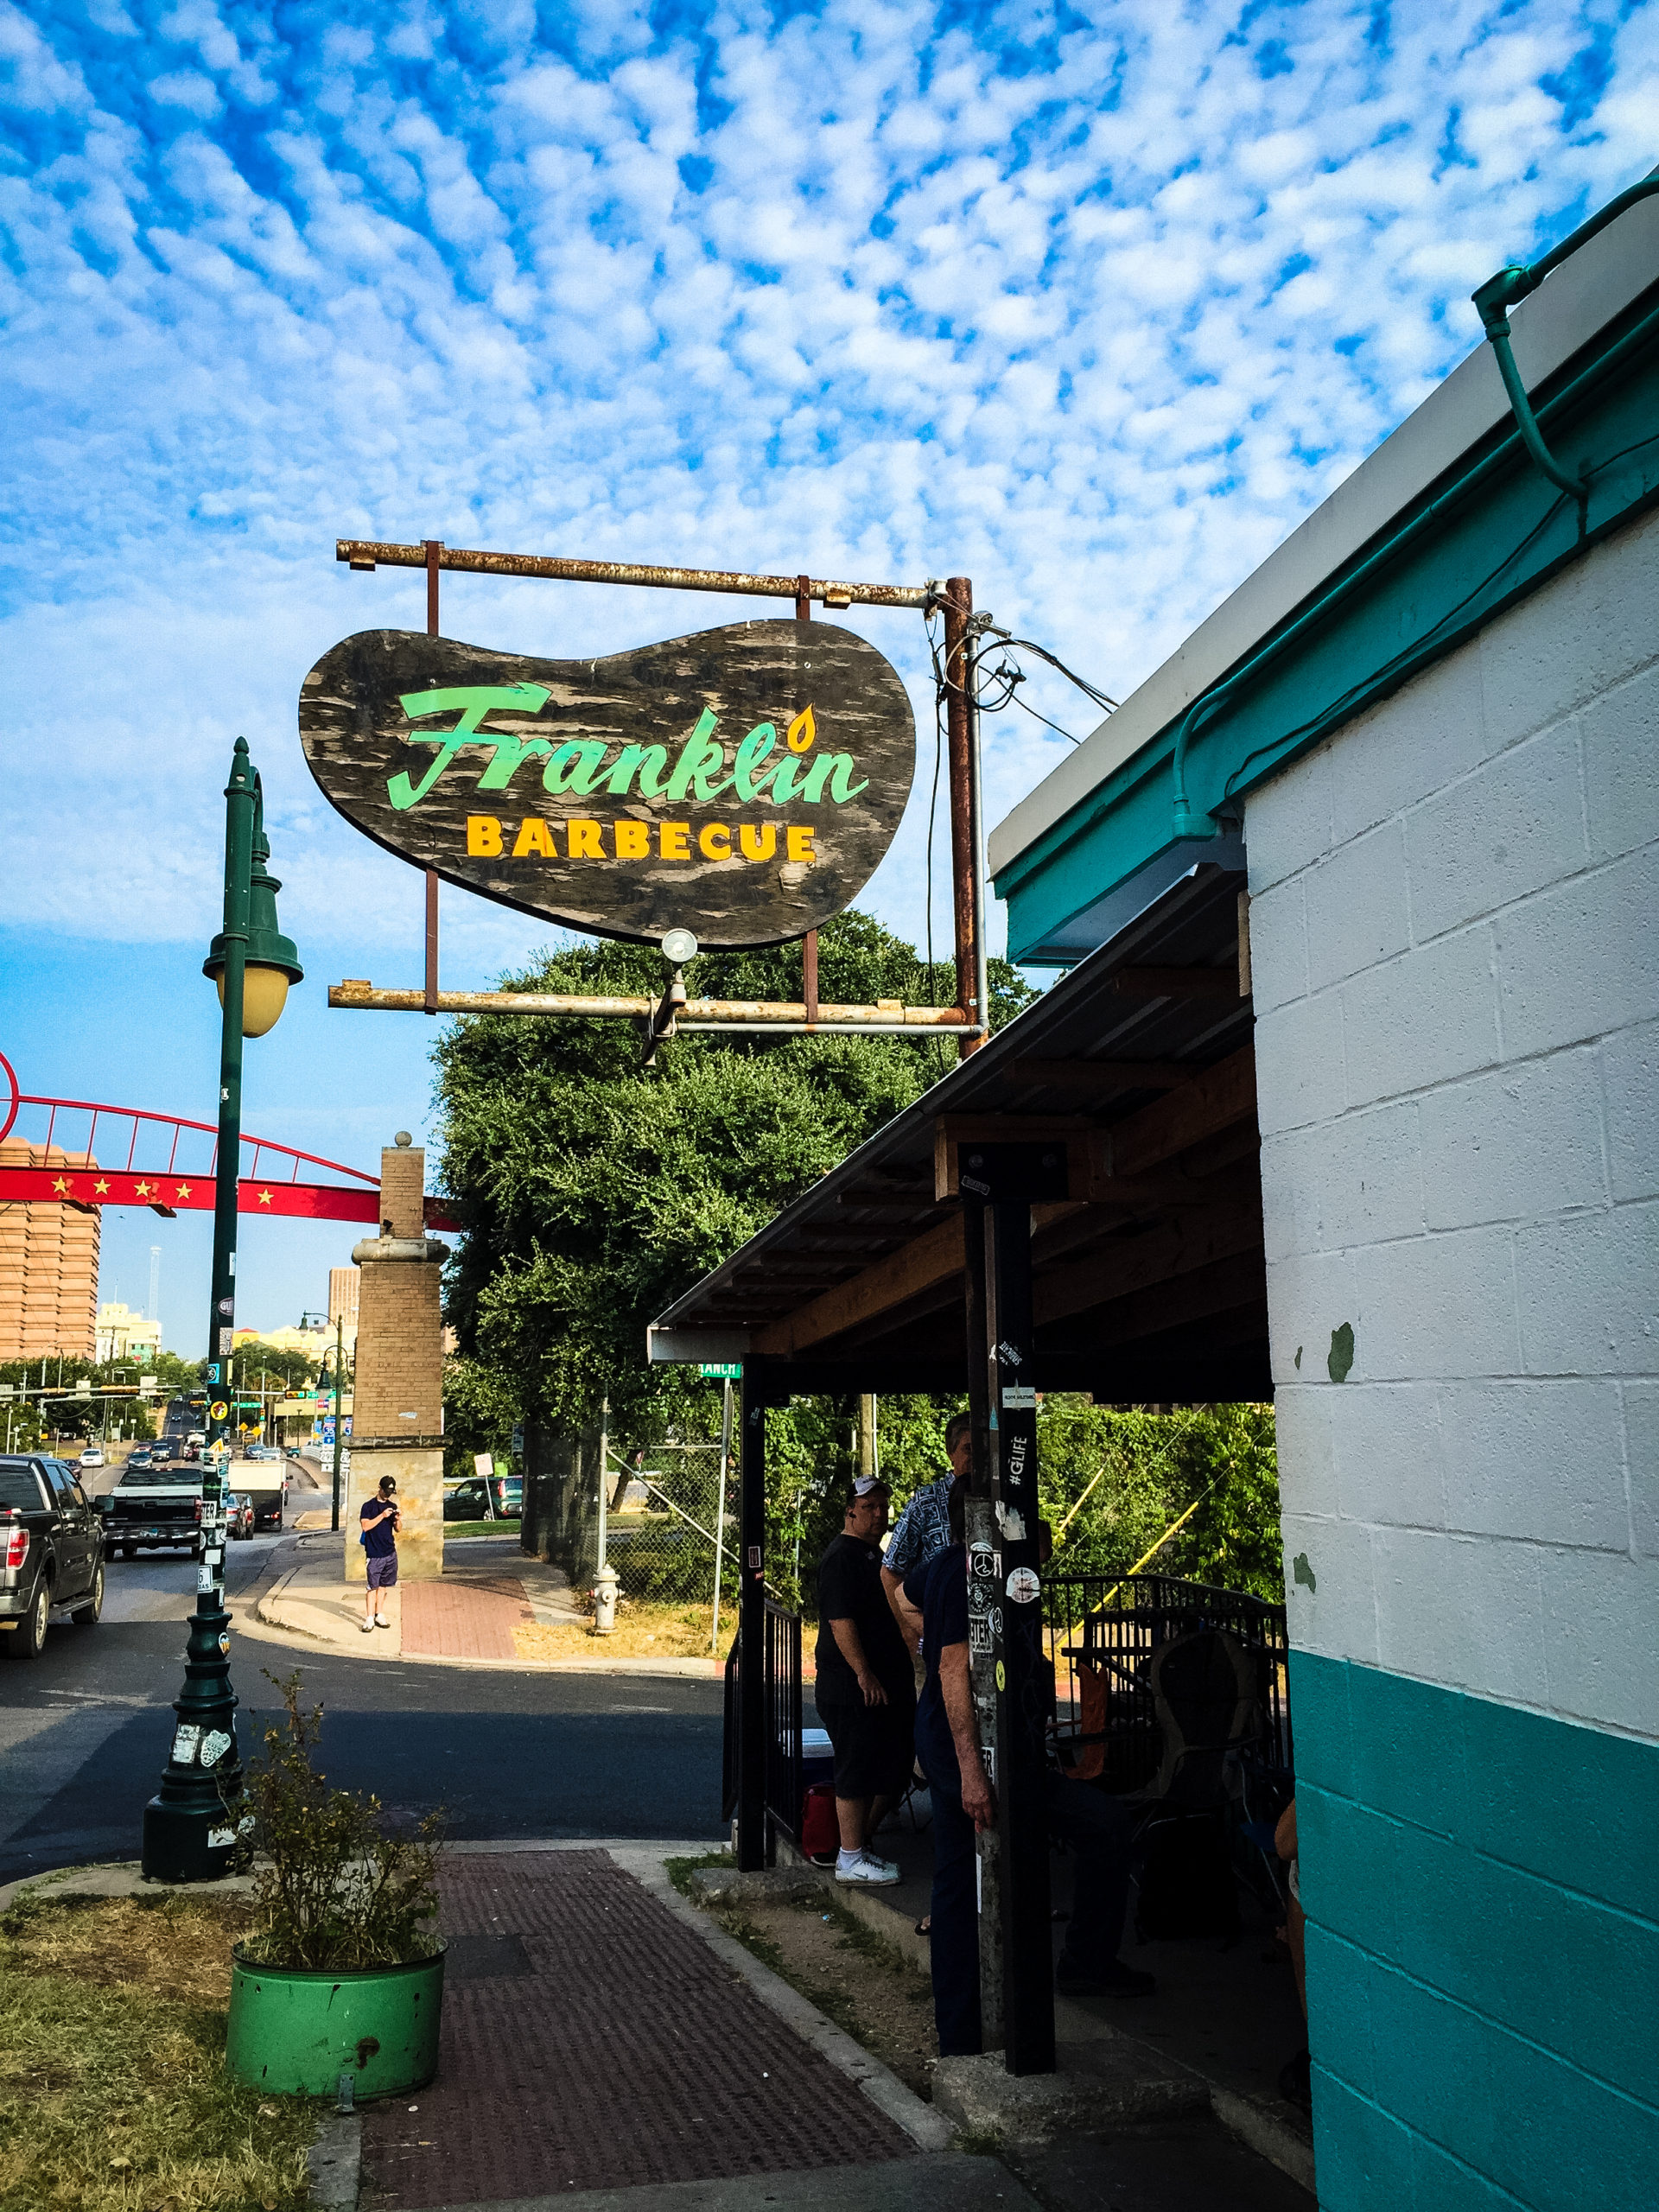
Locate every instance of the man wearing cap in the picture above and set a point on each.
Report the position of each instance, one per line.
(381, 1521)
(866, 1691)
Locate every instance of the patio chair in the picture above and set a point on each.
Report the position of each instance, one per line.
(1204, 1687)
(1204, 1693)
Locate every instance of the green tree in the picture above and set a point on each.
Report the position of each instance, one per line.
(593, 1192)
(1114, 1484)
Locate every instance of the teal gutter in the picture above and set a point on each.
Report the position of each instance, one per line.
(1354, 648)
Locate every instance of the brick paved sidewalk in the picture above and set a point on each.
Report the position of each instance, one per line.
(591, 2039)
(472, 1619)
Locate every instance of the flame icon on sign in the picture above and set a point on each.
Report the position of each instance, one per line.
(801, 732)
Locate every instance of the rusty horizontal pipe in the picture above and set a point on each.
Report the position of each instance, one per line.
(888, 1027)
(367, 553)
(698, 1013)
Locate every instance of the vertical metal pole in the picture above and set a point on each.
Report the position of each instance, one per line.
(340, 1418)
(810, 942)
(809, 974)
(977, 834)
(752, 1630)
(604, 1479)
(433, 546)
(190, 1824)
(720, 1508)
(984, 1590)
(1021, 1782)
(958, 606)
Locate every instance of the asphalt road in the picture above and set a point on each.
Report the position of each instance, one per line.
(85, 1731)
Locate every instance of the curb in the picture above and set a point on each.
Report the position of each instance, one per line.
(334, 2164)
(264, 1601)
(926, 2126)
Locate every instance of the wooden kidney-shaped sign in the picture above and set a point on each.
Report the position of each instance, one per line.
(742, 784)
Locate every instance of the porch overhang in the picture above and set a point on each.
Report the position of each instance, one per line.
(1148, 1278)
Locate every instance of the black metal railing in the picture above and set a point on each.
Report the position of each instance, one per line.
(1107, 1627)
(781, 1657)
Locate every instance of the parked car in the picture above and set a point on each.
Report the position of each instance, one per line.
(51, 1552)
(91, 1458)
(238, 1515)
(481, 1498)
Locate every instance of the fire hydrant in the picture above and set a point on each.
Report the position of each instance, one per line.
(605, 1599)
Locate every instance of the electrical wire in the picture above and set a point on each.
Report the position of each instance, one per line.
(1032, 711)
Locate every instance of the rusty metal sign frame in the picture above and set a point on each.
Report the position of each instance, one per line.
(967, 1020)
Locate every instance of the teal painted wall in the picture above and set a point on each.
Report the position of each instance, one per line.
(1482, 1888)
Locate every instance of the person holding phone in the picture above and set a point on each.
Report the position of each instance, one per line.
(381, 1521)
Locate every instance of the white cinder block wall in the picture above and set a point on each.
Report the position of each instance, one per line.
(1455, 941)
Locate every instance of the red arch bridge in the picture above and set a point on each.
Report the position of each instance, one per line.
(123, 1156)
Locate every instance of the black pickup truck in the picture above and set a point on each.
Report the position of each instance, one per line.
(51, 1552)
(154, 1505)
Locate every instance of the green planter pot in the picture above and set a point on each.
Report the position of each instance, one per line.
(293, 2028)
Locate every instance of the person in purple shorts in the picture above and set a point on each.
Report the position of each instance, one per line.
(381, 1521)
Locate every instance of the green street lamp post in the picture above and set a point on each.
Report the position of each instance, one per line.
(191, 1824)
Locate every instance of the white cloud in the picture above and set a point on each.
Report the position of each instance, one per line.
(871, 293)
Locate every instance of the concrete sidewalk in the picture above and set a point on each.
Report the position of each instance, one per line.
(489, 1590)
(599, 2034)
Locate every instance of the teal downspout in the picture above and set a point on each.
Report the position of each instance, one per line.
(1498, 293)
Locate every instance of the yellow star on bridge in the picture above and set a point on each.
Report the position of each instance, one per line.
(264, 1198)
(183, 1191)
(61, 1186)
(144, 1189)
(100, 1187)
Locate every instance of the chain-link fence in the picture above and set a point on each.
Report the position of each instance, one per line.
(663, 1512)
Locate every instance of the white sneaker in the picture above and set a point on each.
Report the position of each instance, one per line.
(368, 1627)
(867, 1874)
(888, 1866)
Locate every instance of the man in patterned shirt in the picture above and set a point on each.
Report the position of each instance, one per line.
(924, 1529)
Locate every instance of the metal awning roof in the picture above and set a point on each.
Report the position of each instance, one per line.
(1149, 1281)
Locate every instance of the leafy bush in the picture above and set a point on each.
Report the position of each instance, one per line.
(334, 1890)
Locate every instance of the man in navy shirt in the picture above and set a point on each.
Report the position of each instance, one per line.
(381, 1521)
(1098, 1828)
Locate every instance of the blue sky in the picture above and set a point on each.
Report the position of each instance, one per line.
(1090, 305)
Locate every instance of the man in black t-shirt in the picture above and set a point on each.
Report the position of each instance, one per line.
(934, 1598)
(866, 1692)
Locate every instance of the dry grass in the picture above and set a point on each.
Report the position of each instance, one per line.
(642, 1631)
(113, 2093)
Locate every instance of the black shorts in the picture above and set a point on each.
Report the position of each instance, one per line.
(874, 1745)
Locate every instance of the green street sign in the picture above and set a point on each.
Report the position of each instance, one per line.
(722, 1371)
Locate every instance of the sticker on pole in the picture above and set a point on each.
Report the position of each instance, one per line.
(1023, 1585)
(186, 1737)
(215, 1746)
(1017, 1397)
(219, 1409)
(751, 776)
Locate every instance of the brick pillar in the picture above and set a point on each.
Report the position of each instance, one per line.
(398, 1394)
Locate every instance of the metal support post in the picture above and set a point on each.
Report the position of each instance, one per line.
(1016, 1617)
(983, 1590)
(965, 874)
(339, 1424)
(752, 1630)
(720, 1510)
(190, 1826)
(432, 547)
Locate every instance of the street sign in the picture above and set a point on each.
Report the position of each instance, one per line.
(745, 781)
(722, 1371)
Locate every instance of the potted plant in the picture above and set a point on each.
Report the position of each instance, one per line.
(343, 1972)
